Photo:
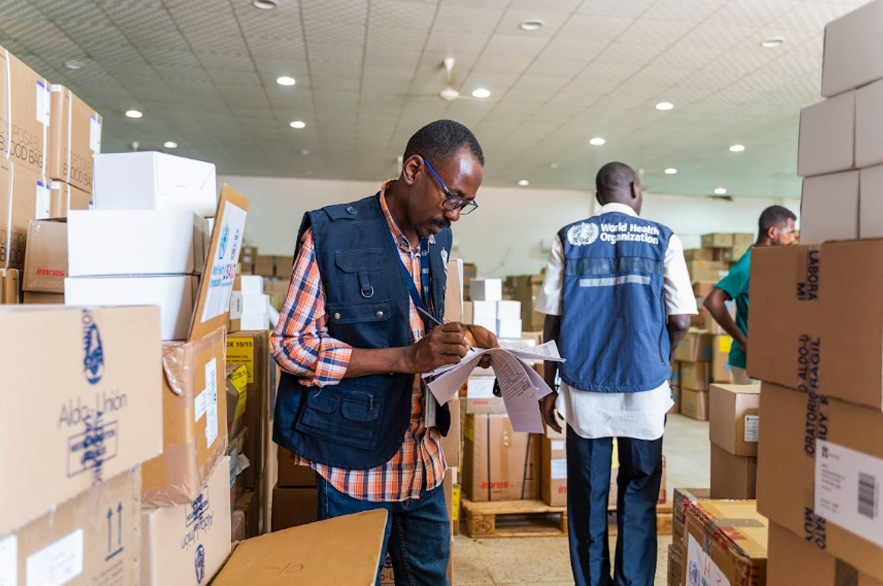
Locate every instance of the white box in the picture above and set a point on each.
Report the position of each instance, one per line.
(829, 208)
(255, 303)
(480, 387)
(137, 242)
(175, 295)
(484, 310)
(154, 181)
(869, 125)
(486, 289)
(853, 54)
(509, 310)
(488, 324)
(254, 321)
(826, 143)
(252, 284)
(870, 223)
(509, 328)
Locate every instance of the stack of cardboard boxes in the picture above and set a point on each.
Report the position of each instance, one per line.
(526, 289)
(733, 431)
(491, 311)
(816, 323)
(693, 357)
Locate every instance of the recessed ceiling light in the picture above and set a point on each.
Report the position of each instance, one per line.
(481, 93)
(664, 106)
(297, 124)
(553, 165)
(720, 191)
(597, 141)
(524, 183)
(772, 43)
(671, 171)
(534, 24)
(170, 144)
(305, 152)
(134, 114)
(264, 4)
(73, 64)
(737, 148)
(285, 80)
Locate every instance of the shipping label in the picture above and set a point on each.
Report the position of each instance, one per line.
(9, 561)
(211, 402)
(241, 351)
(847, 490)
(223, 266)
(559, 469)
(751, 426)
(701, 569)
(42, 201)
(56, 564)
(43, 103)
(95, 133)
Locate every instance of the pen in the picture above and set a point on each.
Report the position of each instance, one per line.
(432, 318)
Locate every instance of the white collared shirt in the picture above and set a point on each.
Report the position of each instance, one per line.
(634, 415)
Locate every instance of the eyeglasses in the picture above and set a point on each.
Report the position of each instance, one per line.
(452, 202)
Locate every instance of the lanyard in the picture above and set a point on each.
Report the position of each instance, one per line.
(423, 261)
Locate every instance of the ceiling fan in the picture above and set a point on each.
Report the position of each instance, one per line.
(449, 91)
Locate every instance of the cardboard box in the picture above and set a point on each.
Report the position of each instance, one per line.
(187, 544)
(553, 479)
(45, 257)
(726, 543)
(849, 59)
(733, 418)
(174, 294)
(343, 550)
(485, 405)
(676, 399)
(94, 538)
(681, 499)
(499, 464)
(154, 181)
(793, 560)
(29, 298)
(508, 328)
(692, 254)
(25, 107)
(675, 564)
(265, 265)
(194, 421)
(236, 385)
(695, 375)
(717, 240)
(294, 506)
(694, 404)
(704, 270)
(243, 522)
(74, 137)
(98, 412)
(694, 347)
(238, 463)
(451, 442)
(252, 349)
(486, 289)
(453, 291)
(291, 476)
(829, 208)
(10, 286)
(24, 196)
(809, 308)
(870, 221)
(140, 242)
(721, 371)
(805, 434)
(732, 477)
(63, 198)
(509, 311)
(868, 126)
(484, 311)
(826, 143)
(703, 289)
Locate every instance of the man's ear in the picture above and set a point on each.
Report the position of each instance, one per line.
(410, 168)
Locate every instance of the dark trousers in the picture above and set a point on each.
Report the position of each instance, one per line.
(588, 483)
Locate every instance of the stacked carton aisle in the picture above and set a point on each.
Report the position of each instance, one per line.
(815, 327)
(701, 357)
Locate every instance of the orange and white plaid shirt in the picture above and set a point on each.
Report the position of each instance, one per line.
(304, 347)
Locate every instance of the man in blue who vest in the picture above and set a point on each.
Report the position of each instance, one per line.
(354, 334)
(617, 299)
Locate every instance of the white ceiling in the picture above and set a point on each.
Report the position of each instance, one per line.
(203, 72)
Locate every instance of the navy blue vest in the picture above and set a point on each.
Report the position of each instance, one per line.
(613, 334)
(359, 423)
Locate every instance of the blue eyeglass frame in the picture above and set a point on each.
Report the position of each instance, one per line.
(465, 207)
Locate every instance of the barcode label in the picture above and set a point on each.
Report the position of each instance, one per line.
(867, 495)
(847, 491)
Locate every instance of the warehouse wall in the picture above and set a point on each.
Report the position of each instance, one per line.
(508, 234)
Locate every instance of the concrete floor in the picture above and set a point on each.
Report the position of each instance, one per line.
(545, 560)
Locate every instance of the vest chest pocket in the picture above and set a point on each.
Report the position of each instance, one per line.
(364, 264)
(348, 416)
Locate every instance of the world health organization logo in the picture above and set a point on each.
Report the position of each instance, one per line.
(582, 234)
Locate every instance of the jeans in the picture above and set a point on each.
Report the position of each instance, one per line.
(417, 537)
(588, 484)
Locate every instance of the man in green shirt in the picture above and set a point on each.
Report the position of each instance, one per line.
(776, 228)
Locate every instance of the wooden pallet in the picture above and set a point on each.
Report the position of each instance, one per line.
(528, 518)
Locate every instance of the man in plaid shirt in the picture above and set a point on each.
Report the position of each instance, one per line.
(354, 336)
